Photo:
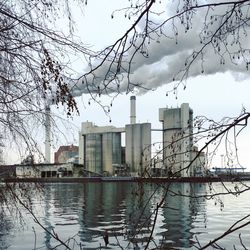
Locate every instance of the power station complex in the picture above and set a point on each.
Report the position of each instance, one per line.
(101, 151)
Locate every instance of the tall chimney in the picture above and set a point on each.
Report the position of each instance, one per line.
(47, 135)
(132, 110)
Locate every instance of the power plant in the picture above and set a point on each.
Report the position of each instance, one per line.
(101, 154)
(101, 151)
(100, 148)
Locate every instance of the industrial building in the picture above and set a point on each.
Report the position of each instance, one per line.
(177, 125)
(49, 170)
(100, 148)
(138, 143)
(199, 165)
(66, 154)
(178, 148)
(101, 152)
(138, 148)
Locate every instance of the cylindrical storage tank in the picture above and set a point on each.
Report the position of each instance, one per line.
(94, 153)
(138, 147)
(116, 148)
(111, 151)
(107, 152)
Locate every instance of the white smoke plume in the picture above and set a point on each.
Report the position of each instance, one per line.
(167, 56)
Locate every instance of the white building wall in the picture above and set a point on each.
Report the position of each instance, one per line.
(81, 149)
(138, 147)
(171, 143)
(107, 152)
(186, 142)
(27, 172)
(86, 128)
(98, 147)
(146, 144)
(199, 166)
(177, 138)
(34, 171)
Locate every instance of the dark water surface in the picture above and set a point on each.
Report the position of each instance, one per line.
(83, 213)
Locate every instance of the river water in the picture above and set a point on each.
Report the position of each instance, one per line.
(81, 214)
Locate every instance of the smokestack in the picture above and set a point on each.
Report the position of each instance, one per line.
(47, 135)
(132, 110)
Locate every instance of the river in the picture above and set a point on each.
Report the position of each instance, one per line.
(81, 214)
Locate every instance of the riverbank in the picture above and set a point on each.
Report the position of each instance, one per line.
(128, 179)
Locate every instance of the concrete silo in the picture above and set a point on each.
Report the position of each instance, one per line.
(138, 143)
(100, 148)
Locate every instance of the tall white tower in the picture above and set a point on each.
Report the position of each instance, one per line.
(132, 110)
(138, 143)
(177, 139)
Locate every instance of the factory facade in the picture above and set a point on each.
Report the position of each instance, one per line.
(180, 156)
(177, 126)
(100, 148)
(138, 148)
(101, 151)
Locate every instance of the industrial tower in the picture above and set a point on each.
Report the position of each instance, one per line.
(138, 143)
(177, 139)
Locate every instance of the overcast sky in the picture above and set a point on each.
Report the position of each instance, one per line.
(221, 91)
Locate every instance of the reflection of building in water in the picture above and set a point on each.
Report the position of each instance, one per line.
(61, 205)
(179, 213)
(178, 149)
(6, 225)
(138, 217)
(103, 210)
(126, 211)
(120, 208)
(47, 220)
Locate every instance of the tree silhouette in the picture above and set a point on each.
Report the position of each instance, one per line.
(35, 61)
(35, 65)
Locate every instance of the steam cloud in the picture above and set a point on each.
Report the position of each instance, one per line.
(167, 56)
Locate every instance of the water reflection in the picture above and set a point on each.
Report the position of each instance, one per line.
(126, 211)
(179, 213)
(46, 219)
(5, 228)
